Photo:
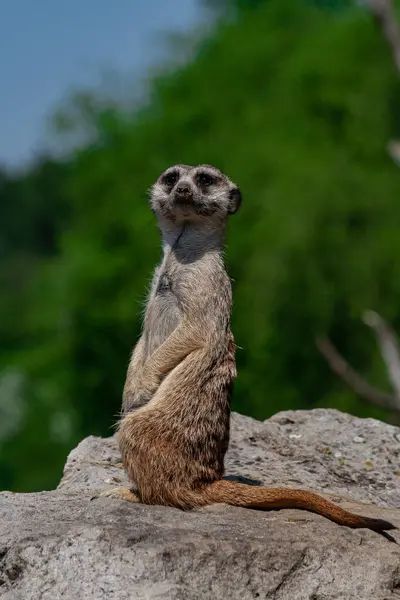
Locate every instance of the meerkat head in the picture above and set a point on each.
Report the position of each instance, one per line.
(184, 193)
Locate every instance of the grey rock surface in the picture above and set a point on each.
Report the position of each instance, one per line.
(63, 544)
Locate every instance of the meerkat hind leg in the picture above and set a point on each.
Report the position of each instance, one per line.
(120, 493)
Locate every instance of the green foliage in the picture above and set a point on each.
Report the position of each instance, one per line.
(238, 6)
(295, 105)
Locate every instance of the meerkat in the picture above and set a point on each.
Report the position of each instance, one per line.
(174, 429)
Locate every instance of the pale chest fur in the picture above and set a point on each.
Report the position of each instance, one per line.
(163, 313)
(175, 283)
(191, 272)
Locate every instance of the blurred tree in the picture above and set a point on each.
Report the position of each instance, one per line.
(34, 211)
(226, 6)
(297, 106)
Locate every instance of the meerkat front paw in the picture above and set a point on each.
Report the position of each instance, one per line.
(146, 392)
(142, 398)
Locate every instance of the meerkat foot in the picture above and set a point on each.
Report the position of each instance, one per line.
(121, 493)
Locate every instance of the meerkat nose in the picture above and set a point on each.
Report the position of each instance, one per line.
(183, 192)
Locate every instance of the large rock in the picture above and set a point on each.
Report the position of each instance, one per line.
(62, 544)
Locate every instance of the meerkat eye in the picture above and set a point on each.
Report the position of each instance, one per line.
(170, 179)
(204, 179)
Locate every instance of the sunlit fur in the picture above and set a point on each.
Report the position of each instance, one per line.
(217, 200)
(174, 430)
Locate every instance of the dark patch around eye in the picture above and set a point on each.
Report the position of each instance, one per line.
(170, 179)
(204, 179)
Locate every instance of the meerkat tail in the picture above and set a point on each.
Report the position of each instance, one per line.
(249, 496)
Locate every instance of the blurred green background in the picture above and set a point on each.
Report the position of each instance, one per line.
(296, 100)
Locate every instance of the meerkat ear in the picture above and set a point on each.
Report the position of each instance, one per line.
(235, 200)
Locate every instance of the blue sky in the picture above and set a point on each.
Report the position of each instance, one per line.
(48, 47)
